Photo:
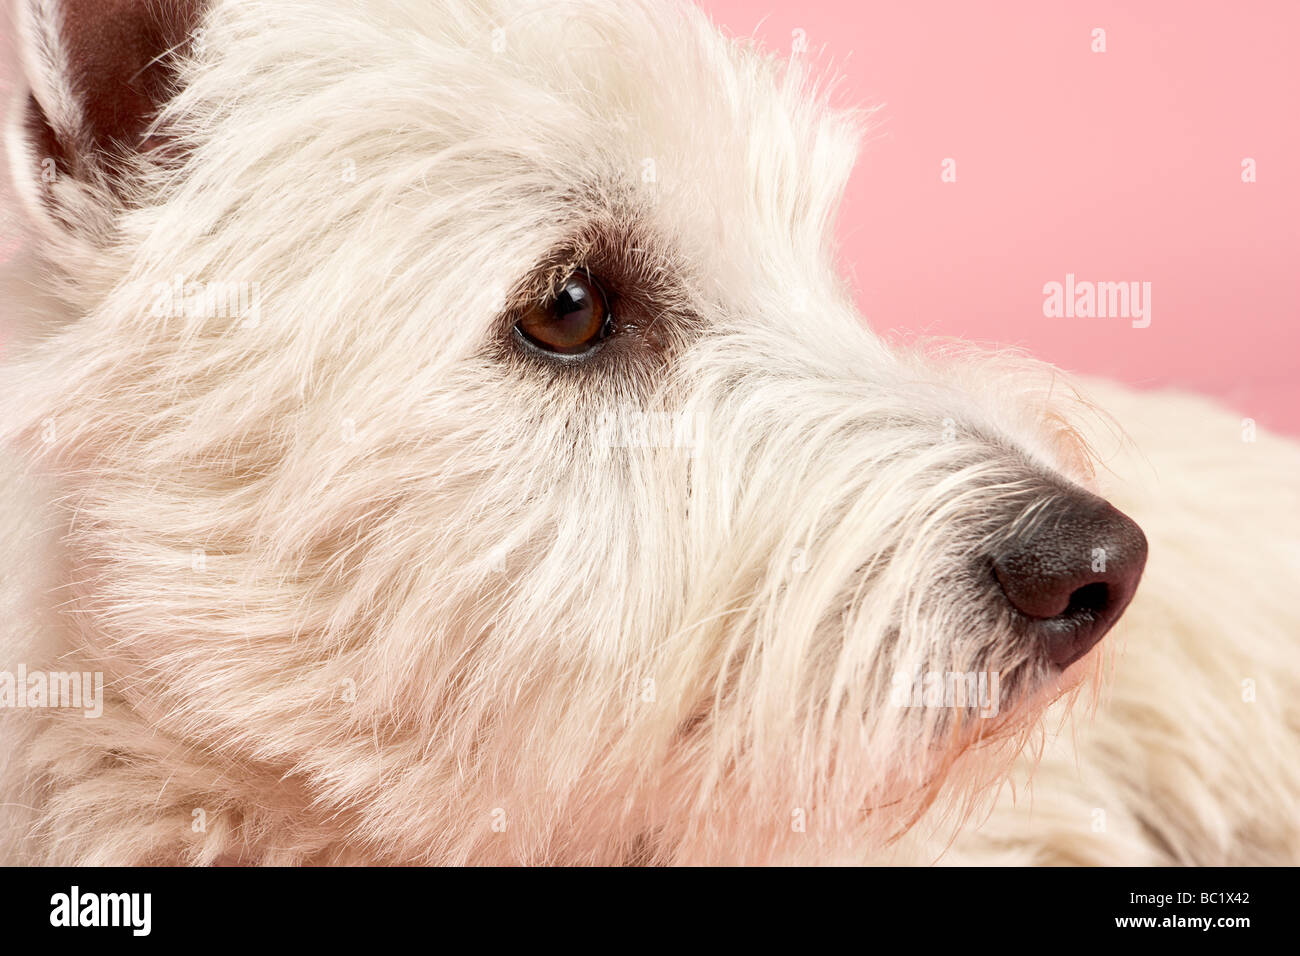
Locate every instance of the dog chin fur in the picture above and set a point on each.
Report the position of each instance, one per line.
(369, 583)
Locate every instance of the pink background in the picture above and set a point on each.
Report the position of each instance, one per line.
(1116, 166)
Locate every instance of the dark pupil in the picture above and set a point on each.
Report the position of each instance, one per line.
(573, 306)
(573, 314)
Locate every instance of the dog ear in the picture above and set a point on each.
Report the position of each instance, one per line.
(97, 72)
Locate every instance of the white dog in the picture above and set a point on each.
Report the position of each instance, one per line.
(440, 427)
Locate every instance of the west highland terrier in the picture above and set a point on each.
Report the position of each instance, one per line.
(439, 434)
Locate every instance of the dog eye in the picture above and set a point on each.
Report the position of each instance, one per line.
(572, 321)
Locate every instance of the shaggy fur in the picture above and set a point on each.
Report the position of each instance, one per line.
(370, 582)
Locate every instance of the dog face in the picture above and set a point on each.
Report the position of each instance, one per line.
(467, 423)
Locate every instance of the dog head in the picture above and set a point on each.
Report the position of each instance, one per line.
(465, 419)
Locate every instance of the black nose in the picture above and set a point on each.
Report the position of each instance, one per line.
(1073, 573)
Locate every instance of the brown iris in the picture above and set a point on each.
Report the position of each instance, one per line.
(572, 321)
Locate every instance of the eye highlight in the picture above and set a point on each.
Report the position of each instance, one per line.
(573, 321)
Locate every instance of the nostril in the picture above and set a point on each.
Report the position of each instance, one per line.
(1091, 599)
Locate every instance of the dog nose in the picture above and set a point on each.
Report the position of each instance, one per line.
(1073, 574)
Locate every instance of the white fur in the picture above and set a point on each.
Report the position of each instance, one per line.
(438, 618)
